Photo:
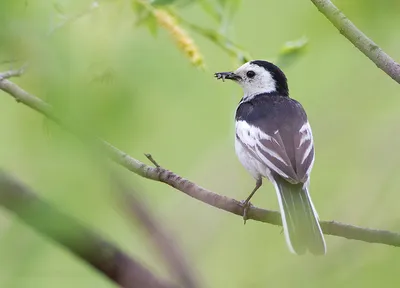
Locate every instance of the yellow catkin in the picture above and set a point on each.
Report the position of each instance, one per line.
(183, 40)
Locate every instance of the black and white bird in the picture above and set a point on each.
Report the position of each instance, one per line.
(274, 141)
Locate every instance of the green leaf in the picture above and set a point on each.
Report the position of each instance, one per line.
(184, 3)
(162, 2)
(233, 7)
(229, 7)
(145, 17)
(152, 25)
(294, 46)
(211, 9)
(228, 12)
(137, 7)
(142, 18)
(59, 8)
(148, 19)
(178, 3)
(291, 52)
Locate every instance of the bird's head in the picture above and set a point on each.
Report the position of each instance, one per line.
(257, 77)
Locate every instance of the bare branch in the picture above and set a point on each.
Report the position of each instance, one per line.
(359, 39)
(193, 190)
(176, 262)
(148, 156)
(85, 244)
(13, 73)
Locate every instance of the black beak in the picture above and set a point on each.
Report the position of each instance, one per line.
(227, 75)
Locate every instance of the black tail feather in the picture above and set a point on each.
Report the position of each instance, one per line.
(299, 219)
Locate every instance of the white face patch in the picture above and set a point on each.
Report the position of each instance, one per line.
(261, 82)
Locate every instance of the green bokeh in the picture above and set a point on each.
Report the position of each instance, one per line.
(157, 102)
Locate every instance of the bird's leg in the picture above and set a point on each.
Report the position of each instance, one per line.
(246, 203)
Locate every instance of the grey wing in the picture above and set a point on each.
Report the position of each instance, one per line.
(304, 152)
(290, 154)
(268, 149)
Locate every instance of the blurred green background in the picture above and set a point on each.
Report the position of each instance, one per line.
(153, 100)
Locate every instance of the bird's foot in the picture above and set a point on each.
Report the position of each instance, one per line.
(246, 205)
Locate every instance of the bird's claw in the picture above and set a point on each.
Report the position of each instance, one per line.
(246, 205)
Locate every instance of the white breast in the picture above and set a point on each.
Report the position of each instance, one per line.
(252, 165)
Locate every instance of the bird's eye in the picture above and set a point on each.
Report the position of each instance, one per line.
(250, 74)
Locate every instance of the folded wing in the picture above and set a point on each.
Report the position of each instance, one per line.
(289, 151)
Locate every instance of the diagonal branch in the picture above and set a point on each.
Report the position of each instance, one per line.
(85, 244)
(193, 190)
(359, 39)
(176, 261)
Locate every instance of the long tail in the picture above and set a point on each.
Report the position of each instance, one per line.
(299, 219)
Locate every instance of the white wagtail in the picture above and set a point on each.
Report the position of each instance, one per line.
(274, 140)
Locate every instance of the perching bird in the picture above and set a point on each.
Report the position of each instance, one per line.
(274, 141)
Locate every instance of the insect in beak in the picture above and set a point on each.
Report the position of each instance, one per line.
(227, 75)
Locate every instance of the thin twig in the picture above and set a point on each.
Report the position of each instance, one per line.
(176, 261)
(69, 20)
(9, 61)
(151, 159)
(13, 73)
(113, 263)
(193, 190)
(359, 39)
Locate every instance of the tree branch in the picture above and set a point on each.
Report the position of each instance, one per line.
(13, 73)
(359, 39)
(101, 255)
(193, 190)
(177, 264)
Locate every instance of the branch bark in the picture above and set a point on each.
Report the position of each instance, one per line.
(101, 255)
(193, 190)
(13, 73)
(359, 39)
